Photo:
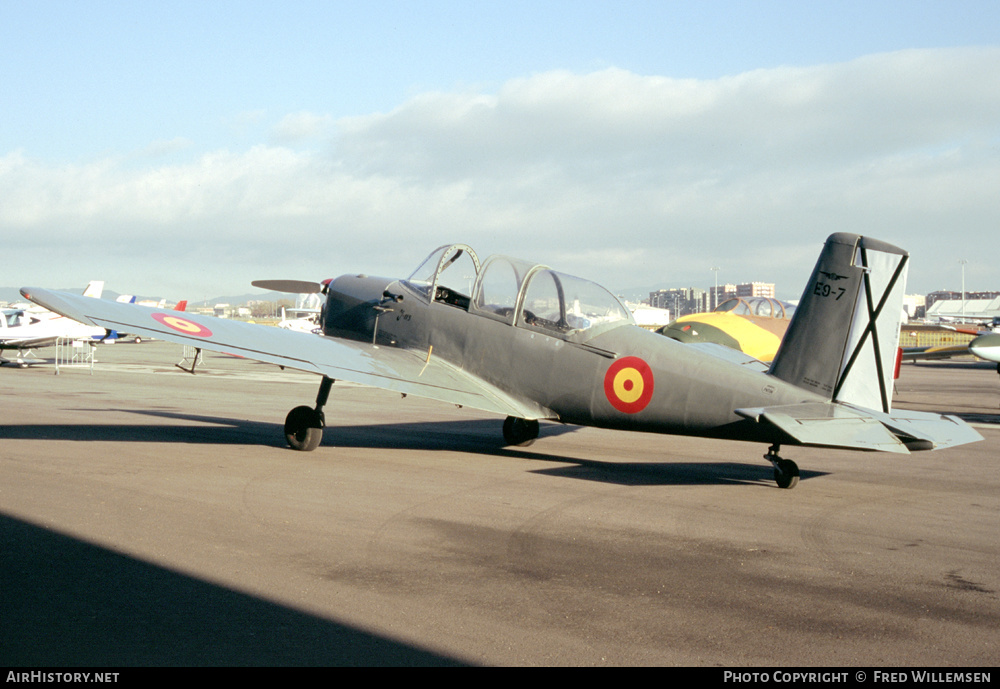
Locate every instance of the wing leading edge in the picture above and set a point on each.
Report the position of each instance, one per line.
(390, 368)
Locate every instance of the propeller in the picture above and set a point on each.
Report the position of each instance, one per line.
(291, 286)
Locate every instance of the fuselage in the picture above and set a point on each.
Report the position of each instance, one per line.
(621, 377)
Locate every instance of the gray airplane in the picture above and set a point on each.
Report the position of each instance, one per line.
(530, 343)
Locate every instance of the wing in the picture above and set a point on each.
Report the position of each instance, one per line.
(935, 352)
(391, 368)
(985, 346)
(28, 342)
(849, 427)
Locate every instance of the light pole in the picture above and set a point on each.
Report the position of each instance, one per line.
(715, 294)
(963, 262)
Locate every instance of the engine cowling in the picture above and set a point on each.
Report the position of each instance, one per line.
(351, 302)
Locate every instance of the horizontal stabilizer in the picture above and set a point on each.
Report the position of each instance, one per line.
(827, 425)
(844, 426)
(926, 431)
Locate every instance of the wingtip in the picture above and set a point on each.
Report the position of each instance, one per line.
(31, 293)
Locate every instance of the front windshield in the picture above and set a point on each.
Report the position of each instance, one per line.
(454, 267)
(423, 277)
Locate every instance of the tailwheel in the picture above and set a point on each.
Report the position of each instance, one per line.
(520, 432)
(786, 472)
(304, 428)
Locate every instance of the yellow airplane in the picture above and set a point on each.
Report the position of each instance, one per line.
(752, 325)
(756, 325)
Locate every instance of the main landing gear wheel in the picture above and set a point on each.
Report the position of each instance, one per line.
(304, 425)
(520, 432)
(786, 472)
(304, 428)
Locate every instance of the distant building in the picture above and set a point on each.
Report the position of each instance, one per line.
(755, 289)
(747, 289)
(940, 295)
(688, 300)
(681, 301)
(915, 305)
(972, 309)
(948, 295)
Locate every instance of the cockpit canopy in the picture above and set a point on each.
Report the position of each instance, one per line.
(764, 307)
(13, 318)
(518, 292)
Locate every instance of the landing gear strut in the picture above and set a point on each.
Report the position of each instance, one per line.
(304, 425)
(786, 472)
(520, 432)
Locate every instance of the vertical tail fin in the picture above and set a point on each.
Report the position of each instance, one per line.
(843, 337)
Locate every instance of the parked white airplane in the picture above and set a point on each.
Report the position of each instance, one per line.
(304, 317)
(24, 329)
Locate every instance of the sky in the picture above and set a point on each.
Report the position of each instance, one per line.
(182, 149)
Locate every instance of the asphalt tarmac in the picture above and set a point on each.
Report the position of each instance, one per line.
(152, 517)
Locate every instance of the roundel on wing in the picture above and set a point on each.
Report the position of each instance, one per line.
(182, 325)
(628, 384)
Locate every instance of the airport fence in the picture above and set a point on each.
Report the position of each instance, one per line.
(932, 338)
(72, 353)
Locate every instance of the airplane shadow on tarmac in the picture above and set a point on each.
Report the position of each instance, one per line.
(474, 436)
(68, 603)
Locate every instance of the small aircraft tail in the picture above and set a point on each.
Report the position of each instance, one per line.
(181, 305)
(843, 338)
(94, 289)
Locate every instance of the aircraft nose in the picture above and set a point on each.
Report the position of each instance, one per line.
(986, 347)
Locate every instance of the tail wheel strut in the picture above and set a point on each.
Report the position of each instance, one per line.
(786, 472)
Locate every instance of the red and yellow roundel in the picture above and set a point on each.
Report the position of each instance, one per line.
(182, 325)
(628, 384)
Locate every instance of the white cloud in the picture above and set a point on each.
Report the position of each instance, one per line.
(302, 126)
(620, 177)
(165, 147)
